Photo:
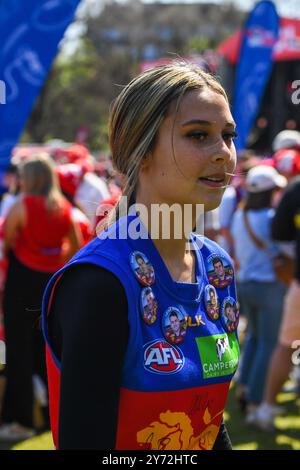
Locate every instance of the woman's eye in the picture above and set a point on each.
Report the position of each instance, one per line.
(230, 136)
(198, 135)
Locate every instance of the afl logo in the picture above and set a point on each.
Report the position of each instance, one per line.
(161, 357)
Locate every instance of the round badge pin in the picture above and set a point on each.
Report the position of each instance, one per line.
(230, 314)
(219, 271)
(142, 268)
(148, 306)
(174, 325)
(211, 301)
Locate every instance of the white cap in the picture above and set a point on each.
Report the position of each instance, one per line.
(263, 177)
(286, 139)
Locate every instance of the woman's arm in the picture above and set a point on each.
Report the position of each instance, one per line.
(74, 242)
(223, 441)
(14, 222)
(88, 327)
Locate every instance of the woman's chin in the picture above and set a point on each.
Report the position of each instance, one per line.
(212, 203)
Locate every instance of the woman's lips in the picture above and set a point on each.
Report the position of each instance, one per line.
(213, 181)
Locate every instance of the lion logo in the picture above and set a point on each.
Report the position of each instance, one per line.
(174, 431)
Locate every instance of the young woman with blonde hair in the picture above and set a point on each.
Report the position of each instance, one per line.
(171, 136)
(34, 234)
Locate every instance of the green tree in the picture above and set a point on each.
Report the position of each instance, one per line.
(81, 87)
(73, 96)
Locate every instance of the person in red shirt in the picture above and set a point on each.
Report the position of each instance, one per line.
(35, 231)
(70, 176)
(107, 205)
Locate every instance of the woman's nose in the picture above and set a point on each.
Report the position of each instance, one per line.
(222, 153)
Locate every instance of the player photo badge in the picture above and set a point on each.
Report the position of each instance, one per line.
(142, 268)
(219, 271)
(174, 325)
(211, 301)
(148, 306)
(230, 314)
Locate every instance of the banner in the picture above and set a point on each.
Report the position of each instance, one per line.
(30, 31)
(254, 67)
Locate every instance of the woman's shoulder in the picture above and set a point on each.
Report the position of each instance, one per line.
(80, 301)
(262, 215)
(17, 208)
(88, 277)
(108, 254)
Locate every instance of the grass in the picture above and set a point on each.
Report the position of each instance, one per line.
(287, 437)
(40, 442)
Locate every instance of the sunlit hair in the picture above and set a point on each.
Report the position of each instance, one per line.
(39, 179)
(140, 108)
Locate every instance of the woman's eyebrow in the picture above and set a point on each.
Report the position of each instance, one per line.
(207, 123)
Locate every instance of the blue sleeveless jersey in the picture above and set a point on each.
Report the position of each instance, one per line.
(182, 351)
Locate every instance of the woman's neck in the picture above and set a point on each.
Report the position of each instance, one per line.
(167, 231)
(179, 260)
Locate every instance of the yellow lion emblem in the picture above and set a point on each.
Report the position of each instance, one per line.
(174, 431)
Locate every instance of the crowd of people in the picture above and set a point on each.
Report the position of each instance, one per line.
(55, 204)
(258, 224)
(47, 215)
